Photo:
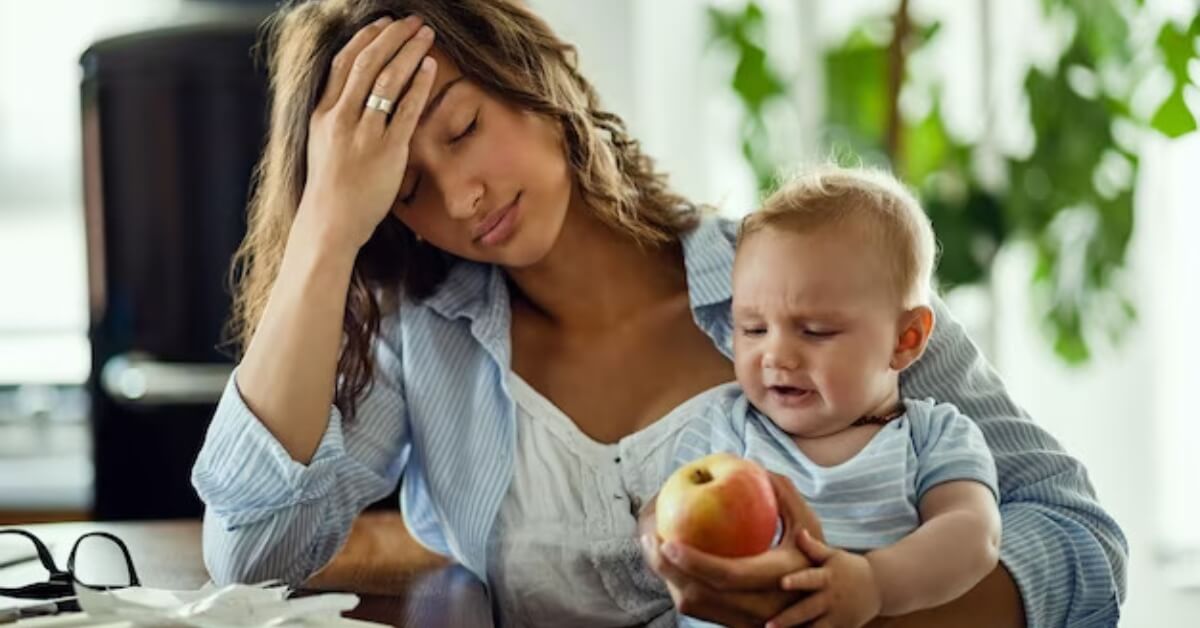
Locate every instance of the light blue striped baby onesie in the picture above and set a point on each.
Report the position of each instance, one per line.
(870, 500)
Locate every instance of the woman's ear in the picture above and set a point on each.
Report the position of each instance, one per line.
(916, 325)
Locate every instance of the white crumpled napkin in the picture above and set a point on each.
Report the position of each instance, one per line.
(235, 606)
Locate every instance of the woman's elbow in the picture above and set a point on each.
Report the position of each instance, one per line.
(252, 553)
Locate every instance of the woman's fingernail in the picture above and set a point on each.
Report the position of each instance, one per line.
(383, 21)
(647, 544)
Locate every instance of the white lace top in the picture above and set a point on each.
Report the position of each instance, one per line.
(564, 550)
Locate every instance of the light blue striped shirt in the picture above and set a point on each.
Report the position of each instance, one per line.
(440, 413)
(870, 500)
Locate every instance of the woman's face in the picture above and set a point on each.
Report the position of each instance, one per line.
(485, 181)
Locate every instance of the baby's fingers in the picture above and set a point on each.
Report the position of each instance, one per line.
(806, 580)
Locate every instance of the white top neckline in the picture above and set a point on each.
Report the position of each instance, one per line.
(524, 394)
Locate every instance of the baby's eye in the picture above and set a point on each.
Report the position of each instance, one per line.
(753, 330)
(820, 333)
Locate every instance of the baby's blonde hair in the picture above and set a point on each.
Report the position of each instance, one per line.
(882, 209)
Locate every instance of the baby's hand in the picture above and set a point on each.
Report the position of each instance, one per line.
(844, 593)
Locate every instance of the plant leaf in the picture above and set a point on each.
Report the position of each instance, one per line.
(1177, 49)
(1173, 117)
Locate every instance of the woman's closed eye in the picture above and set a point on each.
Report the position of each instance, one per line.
(471, 127)
(468, 130)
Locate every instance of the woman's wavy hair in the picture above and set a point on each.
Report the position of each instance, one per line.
(499, 45)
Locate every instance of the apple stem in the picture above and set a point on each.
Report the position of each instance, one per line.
(701, 476)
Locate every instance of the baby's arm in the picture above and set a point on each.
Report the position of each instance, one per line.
(958, 541)
(957, 544)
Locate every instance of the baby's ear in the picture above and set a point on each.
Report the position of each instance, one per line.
(915, 328)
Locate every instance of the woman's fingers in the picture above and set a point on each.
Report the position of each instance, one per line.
(412, 104)
(795, 511)
(369, 62)
(752, 573)
(652, 551)
(817, 551)
(738, 608)
(339, 68)
(647, 523)
(400, 72)
(809, 609)
(697, 598)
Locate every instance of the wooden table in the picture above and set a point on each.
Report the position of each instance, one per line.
(167, 555)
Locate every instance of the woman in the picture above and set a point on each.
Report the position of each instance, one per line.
(516, 310)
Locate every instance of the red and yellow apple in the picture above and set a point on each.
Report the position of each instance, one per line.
(720, 504)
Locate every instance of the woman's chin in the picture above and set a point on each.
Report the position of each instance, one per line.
(526, 250)
(509, 257)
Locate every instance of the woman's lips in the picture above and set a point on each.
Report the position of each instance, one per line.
(498, 226)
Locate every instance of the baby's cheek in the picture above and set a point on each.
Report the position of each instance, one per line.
(744, 365)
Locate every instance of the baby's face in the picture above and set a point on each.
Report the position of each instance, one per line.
(815, 327)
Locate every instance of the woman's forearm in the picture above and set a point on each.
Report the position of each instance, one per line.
(288, 373)
(994, 603)
(379, 556)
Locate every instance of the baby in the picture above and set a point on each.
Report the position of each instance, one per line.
(830, 303)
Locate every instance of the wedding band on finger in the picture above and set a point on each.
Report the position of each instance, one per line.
(379, 103)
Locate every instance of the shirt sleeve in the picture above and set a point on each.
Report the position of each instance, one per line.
(268, 516)
(1066, 554)
(949, 447)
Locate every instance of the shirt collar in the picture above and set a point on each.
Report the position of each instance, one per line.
(708, 255)
(466, 291)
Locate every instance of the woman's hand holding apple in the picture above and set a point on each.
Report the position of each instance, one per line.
(741, 591)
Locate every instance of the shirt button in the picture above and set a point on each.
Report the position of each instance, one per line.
(617, 460)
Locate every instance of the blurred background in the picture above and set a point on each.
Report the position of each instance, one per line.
(1053, 143)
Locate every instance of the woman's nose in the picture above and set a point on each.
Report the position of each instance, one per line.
(464, 205)
(462, 195)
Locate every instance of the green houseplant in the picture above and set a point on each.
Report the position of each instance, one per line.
(1070, 197)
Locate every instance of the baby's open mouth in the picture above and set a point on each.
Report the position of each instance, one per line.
(789, 391)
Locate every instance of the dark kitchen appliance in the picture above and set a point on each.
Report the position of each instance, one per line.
(173, 123)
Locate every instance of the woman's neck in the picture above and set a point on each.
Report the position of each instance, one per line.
(596, 277)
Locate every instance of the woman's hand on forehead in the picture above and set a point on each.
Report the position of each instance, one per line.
(360, 133)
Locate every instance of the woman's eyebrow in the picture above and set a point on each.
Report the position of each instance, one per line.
(439, 97)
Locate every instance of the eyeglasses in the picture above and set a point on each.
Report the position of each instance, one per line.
(93, 552)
